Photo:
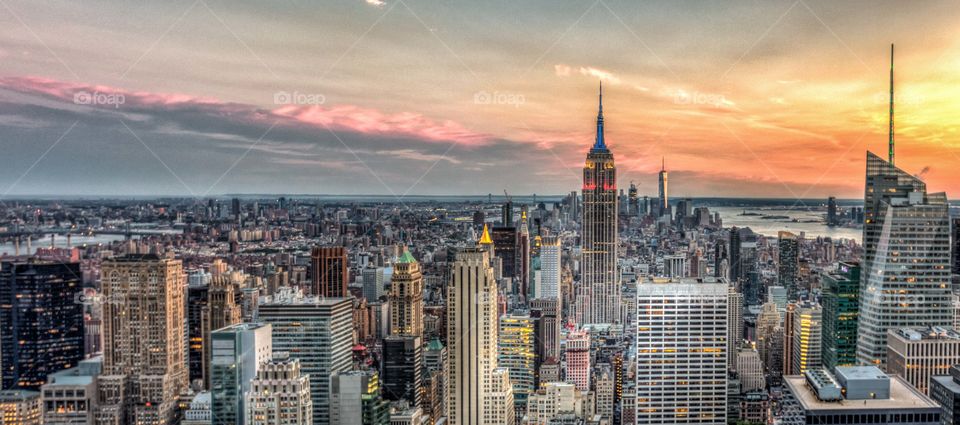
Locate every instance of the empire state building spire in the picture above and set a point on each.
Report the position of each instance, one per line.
(600, 144)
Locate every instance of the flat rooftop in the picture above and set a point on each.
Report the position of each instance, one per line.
(902, 396)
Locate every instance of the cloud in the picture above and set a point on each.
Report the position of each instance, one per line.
(605, 76)
(341, 117)
(376, 3)
(561, 70)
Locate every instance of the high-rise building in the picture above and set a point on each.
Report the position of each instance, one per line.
(552, 400)
(598, 296)
(329, 271)
(577, 353)
(832, 218)
(955, 246)
(281, 394)
(917, 354)
(199, 412)
(604, 391)
(372, 283)
(472, 339)
(788, 271)
(750, 370)
(41, 321)
(517, 354)
(401, 373)
(905, 281)
(70, 396)
(734, 324)
(318, 332)
(807, 338)
(841, 289)
(945, 390)
(498, 403)
(854, 395)
(406, 297)
(505, 242)
(210, 306)
(435, 381)
(681, 371)
(550, 254)
(144, 341)
(547, 314)
(663, 206)
(356, 399)
(20, 407)
(236, 355)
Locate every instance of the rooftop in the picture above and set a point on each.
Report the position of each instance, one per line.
(902, 396)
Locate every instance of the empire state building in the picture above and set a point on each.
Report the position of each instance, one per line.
(598, 296)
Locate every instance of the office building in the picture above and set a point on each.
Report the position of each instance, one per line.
(20, 407)
(917, 354)
(517, 353)
(41, 321)
(472, 339)
(237, 351)
(550, 269)
(806, 338)
(841, 290)
(280, 395)
(144, 341)
(406, 297)
(577, 353)
(945, 390)
(317, 332)
(734, 324)
(70, 396)
(329, 271)
(372, 283)
(681, 370)
(355, 399)
(401, 374)
(788, 270)
(598, 295)
(210, 306)
(905, 281)
(854, 395)
(750, 370)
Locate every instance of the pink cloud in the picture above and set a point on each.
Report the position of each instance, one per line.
(372, 121)
(349, 118)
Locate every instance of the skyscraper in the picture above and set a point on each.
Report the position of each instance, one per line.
(355, 399)
(841, 289)
(550, 254)
(681, 351)
(143, 340)
(663, 206)
(402, 369)
(518, 355)
(734, 324)
(788, 272)
(807, 338)
(41, 321)
(577, 353)
(598, 298)
(328, 267)
(472, 338)
(281, 394)
(237, 353)
(210, 306)
(318, 332)
(905, 281)
(406, 297)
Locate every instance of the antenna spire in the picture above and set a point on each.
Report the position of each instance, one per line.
(891, 105)
(600, 144)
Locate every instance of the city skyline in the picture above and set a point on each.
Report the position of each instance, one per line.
(405, 98)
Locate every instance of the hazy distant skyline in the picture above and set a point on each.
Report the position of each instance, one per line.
(743, 99)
